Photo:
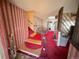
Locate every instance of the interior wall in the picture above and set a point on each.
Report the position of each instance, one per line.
(15, 22)
(70, 6)
(73, 53)
(44, 8)
(3, 38)
(19, 22)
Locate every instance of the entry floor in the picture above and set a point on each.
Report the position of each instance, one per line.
(51, 51)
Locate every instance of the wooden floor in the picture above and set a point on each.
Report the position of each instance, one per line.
(29, 51)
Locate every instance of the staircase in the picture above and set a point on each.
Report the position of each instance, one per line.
(36, 25)
(66, 22)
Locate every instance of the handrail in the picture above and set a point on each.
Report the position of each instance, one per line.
(29, 22)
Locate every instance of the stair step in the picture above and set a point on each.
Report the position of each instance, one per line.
(38, 42)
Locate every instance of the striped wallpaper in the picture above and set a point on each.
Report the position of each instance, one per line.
(3, 35)
(13, 20)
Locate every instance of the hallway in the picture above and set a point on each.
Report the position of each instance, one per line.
(51, 49)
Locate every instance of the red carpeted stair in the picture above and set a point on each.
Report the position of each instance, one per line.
(52, 50)
(35, 37)
(32, 45)
(34, 40)
(30, 31)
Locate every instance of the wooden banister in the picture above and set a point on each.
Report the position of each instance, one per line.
(60, 14)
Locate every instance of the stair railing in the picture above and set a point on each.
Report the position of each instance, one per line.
(37, 26)
(64, 21)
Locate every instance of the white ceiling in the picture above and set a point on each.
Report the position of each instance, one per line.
(44, 8)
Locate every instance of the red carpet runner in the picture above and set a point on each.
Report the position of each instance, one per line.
(52, 51)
